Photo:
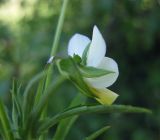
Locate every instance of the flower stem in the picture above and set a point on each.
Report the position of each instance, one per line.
(56, 40)
(54, 51)
(59, 28)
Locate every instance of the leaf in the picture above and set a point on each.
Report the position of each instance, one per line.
(15, 105)
(97, 133)
(28, 104)
(66, 124)
(16, 108)
(91, 72)
(43, 85)
(5, 124)
(28, 97)
(40, 90)
(35, 114)
(16, 98)
(90, 109)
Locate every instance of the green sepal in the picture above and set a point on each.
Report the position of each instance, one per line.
(77, 59)
(69, 68)
(92, 72)
(84, 55)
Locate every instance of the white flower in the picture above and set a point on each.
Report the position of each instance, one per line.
(96, 58)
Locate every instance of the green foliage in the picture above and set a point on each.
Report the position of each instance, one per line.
(28, 123)
(26, 110)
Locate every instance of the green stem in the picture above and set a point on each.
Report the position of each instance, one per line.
(56, 41)
(59, 28)
(54, 51)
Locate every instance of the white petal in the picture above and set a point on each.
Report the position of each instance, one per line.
(97, 49)
(107, 80)
(77, 44)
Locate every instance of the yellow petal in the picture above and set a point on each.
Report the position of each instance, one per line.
(105, 96)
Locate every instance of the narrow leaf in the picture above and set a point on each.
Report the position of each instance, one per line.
(40, 90)
(14, 108)
(27, 96)
(16, 103)
(28, 104)
(43, 85)
(46, 96)
(5, 124)
(90, 109)
(97, 133)
(32, 122)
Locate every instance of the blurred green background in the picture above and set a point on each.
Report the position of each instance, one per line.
(131, 29)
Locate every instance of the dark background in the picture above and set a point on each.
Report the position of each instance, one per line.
(131, 29)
